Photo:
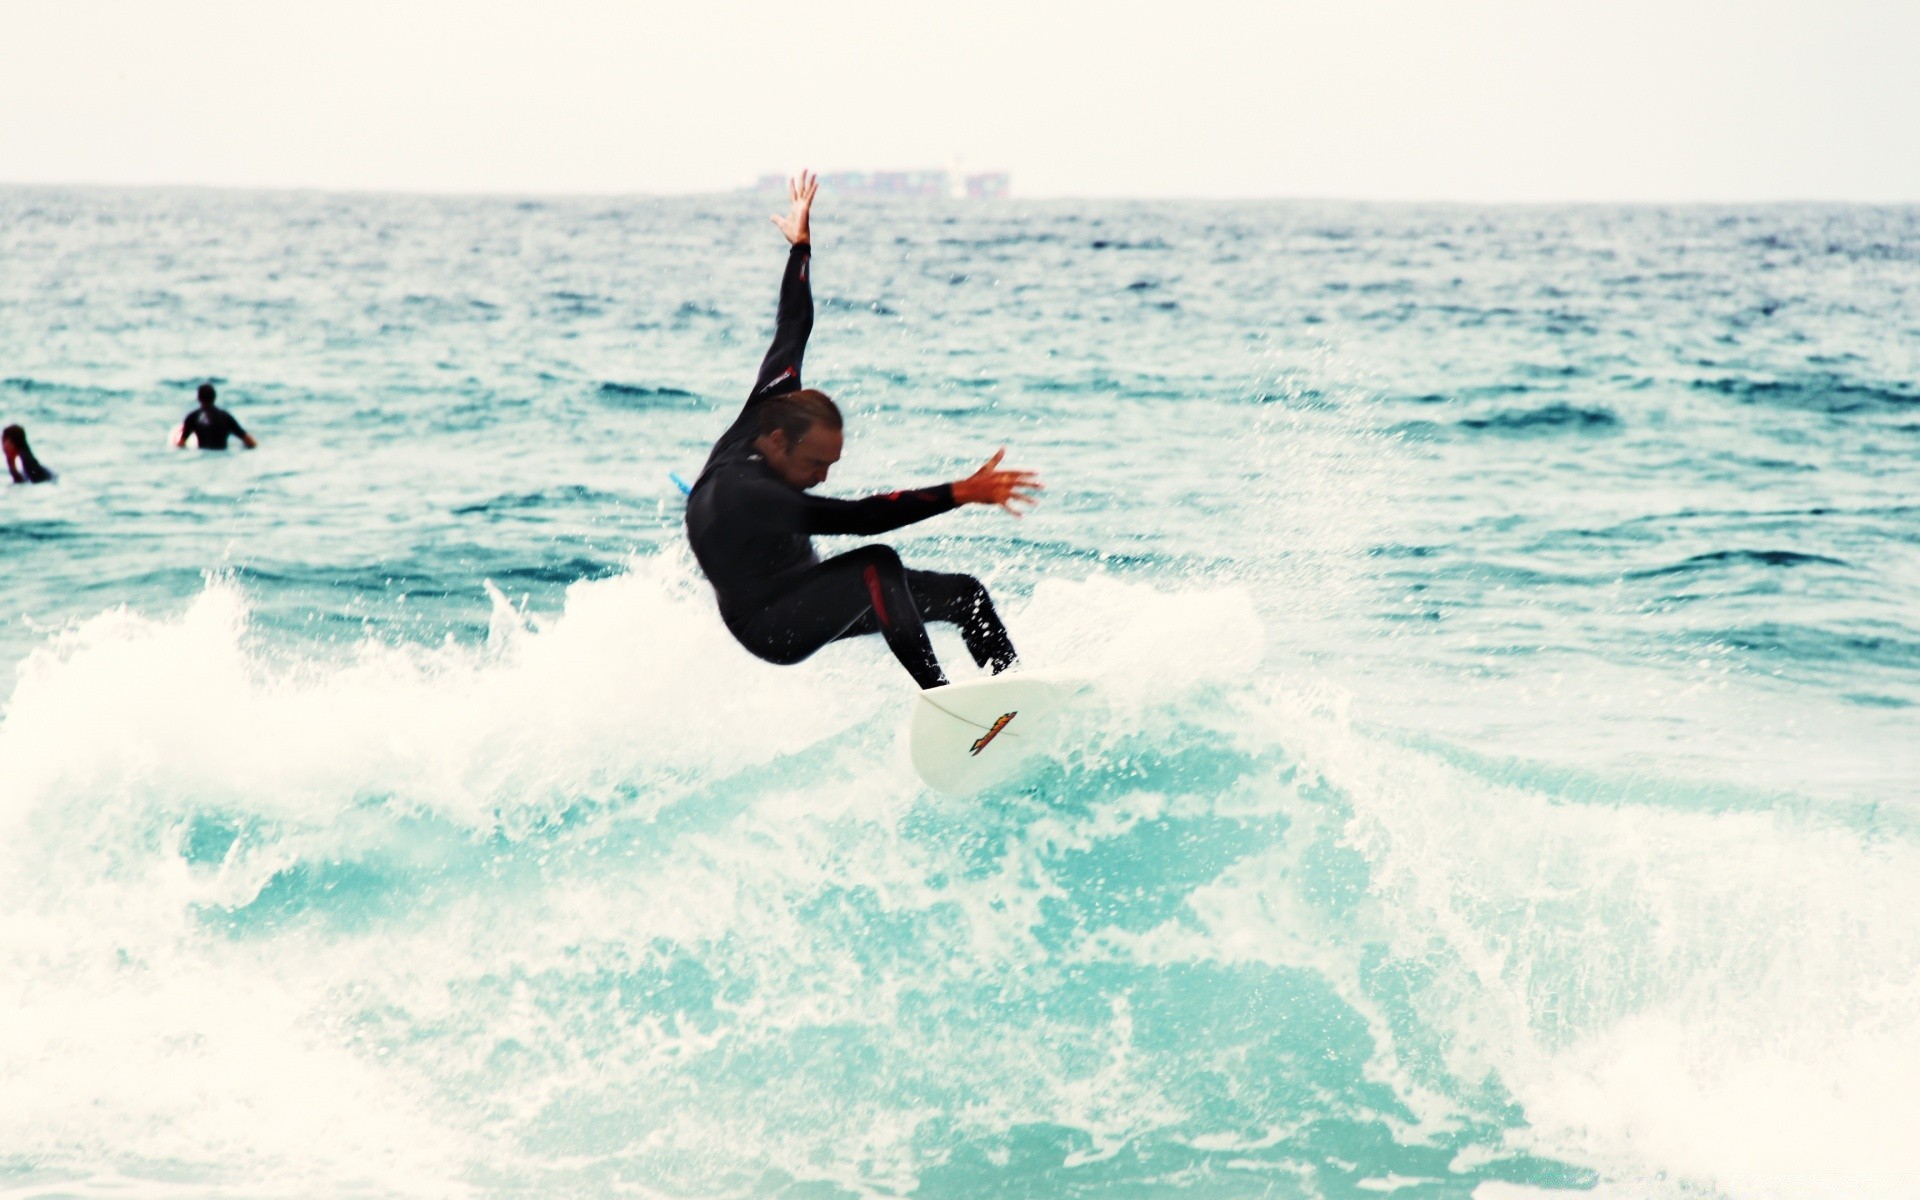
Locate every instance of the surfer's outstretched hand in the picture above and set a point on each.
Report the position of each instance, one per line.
(991, 485)
(800, 190)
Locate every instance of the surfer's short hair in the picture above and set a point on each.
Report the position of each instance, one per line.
(206, 393)
(794, 413)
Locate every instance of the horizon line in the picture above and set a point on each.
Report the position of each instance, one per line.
(752, 189)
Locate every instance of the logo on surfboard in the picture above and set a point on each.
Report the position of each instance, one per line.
(993, 733)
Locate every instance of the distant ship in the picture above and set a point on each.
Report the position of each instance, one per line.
(915, 185)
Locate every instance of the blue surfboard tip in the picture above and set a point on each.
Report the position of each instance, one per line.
(686, 489)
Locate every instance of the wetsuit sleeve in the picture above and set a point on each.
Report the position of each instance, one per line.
(233, 426)
(780, 370)
(792, 325)
(788, 511)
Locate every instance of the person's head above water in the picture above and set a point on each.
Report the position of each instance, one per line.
(800, 437)
(14, 440)
(206, 394)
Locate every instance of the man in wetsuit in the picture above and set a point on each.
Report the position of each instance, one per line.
(750, 517)
(210, 426)
(21, 463)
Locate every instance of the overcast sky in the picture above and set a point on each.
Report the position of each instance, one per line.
(1439, 99)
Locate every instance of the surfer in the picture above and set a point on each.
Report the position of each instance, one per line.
(750, 516)
(21, 463)
(210, 427)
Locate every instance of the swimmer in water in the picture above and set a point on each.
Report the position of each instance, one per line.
(210, 427)
(750, 516)
(21, 463)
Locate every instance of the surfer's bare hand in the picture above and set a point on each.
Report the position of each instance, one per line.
(1007, 489)
(800, 191)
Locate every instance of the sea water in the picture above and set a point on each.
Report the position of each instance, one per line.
(1497, 780)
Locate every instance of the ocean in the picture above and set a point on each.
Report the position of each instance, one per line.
(1498, 776)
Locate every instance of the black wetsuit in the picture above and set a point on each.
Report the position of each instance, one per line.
(751, 531)
(211, 427)
(28, 469)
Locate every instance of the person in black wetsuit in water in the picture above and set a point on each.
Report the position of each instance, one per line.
(210, 426)
(21, 463)
(750, 517)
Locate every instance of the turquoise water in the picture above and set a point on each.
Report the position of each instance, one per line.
(1498, 778)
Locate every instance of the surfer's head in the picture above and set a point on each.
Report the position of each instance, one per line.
(800, 437)
(206, 393)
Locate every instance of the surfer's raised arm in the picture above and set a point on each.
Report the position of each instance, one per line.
(780, 370)
(792, 323)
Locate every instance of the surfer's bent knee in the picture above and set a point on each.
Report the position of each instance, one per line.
(880, 555)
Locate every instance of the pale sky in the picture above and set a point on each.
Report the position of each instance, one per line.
(1371, 99)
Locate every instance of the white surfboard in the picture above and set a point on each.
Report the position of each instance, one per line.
(966, 736)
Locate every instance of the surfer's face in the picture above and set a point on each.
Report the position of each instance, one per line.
(806, 462)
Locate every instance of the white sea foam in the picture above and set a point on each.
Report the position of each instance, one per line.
(140, 1036)
(1674, 995)
(1715, 997)
(1724, 998)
